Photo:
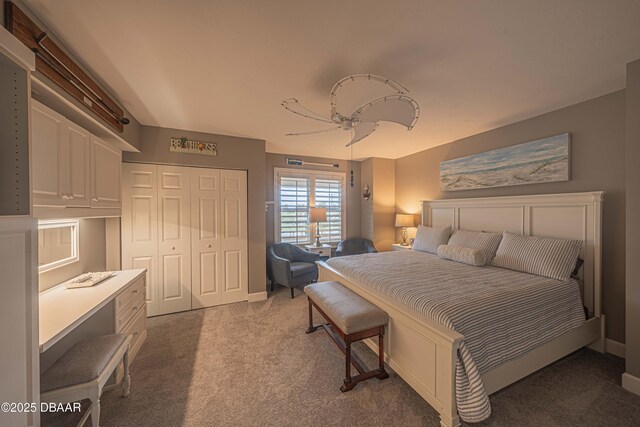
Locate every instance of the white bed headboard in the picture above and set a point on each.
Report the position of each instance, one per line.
(570, 216)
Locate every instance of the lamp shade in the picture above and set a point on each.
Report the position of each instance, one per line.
(404, 220)
(317, 214)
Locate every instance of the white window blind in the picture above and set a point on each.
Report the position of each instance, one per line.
(296, 192)
(328, 194)
(294, 210)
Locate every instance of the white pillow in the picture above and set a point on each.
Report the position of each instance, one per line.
(542, 256)
(429, 238)
(485, 242)
(464, 255)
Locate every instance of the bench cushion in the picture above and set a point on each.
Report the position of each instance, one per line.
(348, 310)
(82, 363)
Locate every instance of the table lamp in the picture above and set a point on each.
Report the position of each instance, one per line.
(318, 215)
(404, 221)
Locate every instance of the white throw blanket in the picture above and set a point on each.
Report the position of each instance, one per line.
(502, 314)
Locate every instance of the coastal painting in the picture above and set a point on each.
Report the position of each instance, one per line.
(543, 160)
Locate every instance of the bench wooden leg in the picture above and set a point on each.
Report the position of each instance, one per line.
(311, 328)
(383, 374)
(348, 384)
(291, 293)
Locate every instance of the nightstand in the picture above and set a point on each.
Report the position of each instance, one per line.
(324, 251)
(399, 247)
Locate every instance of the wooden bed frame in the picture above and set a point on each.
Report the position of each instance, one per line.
(424, 353)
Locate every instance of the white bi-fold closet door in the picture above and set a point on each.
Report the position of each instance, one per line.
(188, 228)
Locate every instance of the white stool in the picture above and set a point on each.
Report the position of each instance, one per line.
(82, 372)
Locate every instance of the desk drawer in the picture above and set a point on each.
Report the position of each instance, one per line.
(124, 315)
(125, 297)
(137, 328)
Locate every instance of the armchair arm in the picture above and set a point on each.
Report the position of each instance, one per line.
(304, 256)
(281, 269)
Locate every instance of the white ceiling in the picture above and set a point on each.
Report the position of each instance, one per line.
(224, 66)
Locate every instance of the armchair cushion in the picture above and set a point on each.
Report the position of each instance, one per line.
(301, 268)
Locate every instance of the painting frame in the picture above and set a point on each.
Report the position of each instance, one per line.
(540, 161)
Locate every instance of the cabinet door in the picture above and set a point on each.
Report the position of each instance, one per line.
(49, 156)
(79, 163)
(106, 167)
(174, 239)
(233, 243)
(206, 271)
(140, 226)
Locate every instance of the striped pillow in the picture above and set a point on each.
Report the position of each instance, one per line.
(485, 242)
(542, 256)
(468, 256)
(429, 238)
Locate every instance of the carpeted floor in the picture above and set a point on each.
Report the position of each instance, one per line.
(251, 364)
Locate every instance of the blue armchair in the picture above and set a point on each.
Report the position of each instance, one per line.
(291, 266)
(355, 246)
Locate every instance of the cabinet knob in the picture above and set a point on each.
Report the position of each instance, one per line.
(71, 196)
(135, 291)
(64, 196)
(208, 246)
(134, 308)
(95, 199)
(173, 248)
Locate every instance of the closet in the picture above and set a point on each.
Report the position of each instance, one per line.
(188, 227)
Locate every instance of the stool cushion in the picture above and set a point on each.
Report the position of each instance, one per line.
(82, 363)
(348, 310)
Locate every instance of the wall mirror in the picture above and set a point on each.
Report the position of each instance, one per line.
(57, 244)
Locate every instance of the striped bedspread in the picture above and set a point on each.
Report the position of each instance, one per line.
(502, 314)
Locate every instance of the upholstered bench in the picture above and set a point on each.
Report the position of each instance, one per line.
(82, 372)
(350, 318)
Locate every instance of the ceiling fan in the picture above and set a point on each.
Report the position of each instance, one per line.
(386, 100)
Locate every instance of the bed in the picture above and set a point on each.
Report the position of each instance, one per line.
(428, 348)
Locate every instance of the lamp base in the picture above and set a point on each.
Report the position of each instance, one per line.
(404, 234)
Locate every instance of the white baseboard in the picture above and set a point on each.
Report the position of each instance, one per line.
(631, 383)
(614, 347)
(258, 296)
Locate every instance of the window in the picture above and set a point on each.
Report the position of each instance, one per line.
(57, 244)
(297, 191)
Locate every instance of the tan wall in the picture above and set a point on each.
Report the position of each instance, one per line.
(597, 129)
(353, 199)
(91, 254)
(633, 214)
(378, 213)
(233, 153)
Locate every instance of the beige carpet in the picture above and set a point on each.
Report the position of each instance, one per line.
(252, 364)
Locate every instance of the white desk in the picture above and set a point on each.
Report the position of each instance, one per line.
(62, 310)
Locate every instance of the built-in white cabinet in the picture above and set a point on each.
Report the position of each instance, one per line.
(188, 228)
(106, 173)
(71, 167)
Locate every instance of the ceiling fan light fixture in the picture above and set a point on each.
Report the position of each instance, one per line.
(396, 107)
